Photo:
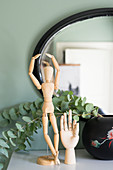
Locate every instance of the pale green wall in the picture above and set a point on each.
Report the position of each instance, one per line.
(22, 23)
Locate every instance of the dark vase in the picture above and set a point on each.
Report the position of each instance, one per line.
(97, 137)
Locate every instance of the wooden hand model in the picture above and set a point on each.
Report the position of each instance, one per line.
(48, 108)
(69, 136)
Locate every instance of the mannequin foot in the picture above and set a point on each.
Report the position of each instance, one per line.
(57, 161)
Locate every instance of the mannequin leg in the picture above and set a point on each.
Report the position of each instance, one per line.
(46, 136)
(55, 129)
(56, 135)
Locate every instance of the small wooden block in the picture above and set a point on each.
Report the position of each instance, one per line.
(46, 160)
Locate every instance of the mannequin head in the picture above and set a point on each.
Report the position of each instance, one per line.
(48, 72)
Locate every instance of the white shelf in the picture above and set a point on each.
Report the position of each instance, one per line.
(22, 161)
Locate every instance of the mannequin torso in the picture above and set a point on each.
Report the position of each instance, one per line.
(48, 89)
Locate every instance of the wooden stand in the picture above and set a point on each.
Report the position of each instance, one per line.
(46, 160)
(70, 156)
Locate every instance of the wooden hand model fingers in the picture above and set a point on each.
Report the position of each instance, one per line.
(75, 128)
(65, 122)
(74, 124)
(61, 123)
(70, 120)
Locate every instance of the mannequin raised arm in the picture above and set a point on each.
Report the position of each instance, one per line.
(31, 67)
(57, 78)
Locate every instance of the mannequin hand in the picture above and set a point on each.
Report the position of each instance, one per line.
(69, 135)
(49, 55)
(36, 56)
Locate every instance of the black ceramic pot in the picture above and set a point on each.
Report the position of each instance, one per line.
(97, 137)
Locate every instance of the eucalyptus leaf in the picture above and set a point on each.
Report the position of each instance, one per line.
(22, 110)
(68, 97)
(89, 107)
(39, 112)
(27, 106)
(33, 108)
(12, 113)
(38, 101)
(76, 117)
(70, 93)
(6, 114)
(84, 115)
(65, 93)
(34, 115)
(19, 134)
(76, 101)
(83, 101)
(11, 141)
(11, 134)
(3, 143)
(19, 127)
(16, 150)
(58, 109)
(88, 117)
(64, 106)
(4, 152)
(3, 122)
(26, 119)
(4, 133)
(38, 125)
(95, 113)
(41, 105)
(30, 138)
(63, 98)
(75, 111)
(28, 142)
(22, 146)
(56, 100)
(80, 109)
(19, 141)
(32, 127)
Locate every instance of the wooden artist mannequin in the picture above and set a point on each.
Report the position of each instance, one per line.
(48, 108)
(69, 137)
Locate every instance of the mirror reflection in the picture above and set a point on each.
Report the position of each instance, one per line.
(84, 51)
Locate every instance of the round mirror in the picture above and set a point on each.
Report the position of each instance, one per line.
(84, 51)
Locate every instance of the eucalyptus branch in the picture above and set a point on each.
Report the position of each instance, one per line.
(30, 115)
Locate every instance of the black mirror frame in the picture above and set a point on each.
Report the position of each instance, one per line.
(61, 25)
